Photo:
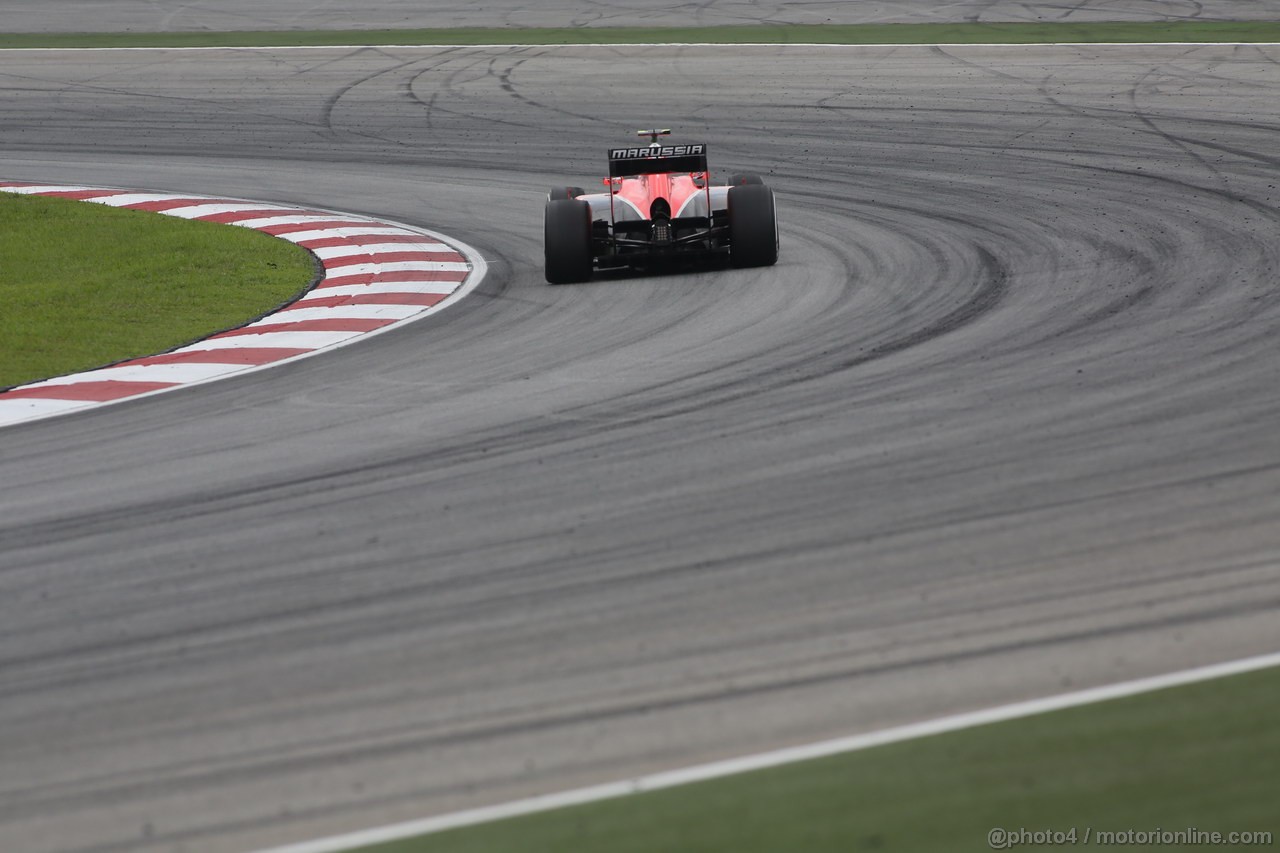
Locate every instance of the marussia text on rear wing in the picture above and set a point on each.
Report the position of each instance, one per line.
(654, 160)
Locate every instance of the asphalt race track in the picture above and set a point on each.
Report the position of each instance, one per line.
(1001, 422)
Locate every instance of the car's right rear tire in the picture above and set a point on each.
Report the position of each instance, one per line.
(753, 226)
(558, 193)
(567, 241)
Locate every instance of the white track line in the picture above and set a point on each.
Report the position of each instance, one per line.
(717, 769)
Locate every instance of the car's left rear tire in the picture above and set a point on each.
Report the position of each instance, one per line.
(567, 241)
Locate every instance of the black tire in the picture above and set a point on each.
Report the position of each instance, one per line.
(745, 180)
(567, 241)
(559, 193)
(753, 226)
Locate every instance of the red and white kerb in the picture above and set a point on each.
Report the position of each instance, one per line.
(375, 275)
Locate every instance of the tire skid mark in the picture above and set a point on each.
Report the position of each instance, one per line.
(331, 103)
(989, 288)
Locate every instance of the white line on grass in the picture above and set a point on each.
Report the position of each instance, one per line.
(760, 761)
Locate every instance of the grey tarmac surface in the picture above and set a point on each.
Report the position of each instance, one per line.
(23, 16)
(1001, 423)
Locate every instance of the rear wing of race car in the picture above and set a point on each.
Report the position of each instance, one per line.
(656, 159)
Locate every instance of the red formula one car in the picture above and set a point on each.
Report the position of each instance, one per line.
(659, 209)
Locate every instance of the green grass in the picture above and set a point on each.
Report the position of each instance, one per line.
(959, 33)
(1203, 756)
(85, 285)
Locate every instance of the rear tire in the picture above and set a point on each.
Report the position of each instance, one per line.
(753, 226)
(560, 193)
(567, 241)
